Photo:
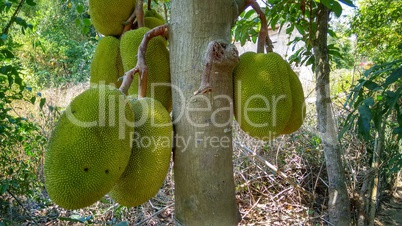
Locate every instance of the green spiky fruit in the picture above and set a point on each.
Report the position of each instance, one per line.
(108, 16)
(298, 104)
(150, 158)
(154, 13)
(106, 65)
(263, 94)
(89, 148)
(157, 59)
(151, 22)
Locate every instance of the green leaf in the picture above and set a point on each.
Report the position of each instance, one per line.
(77, 22)
(336, 8)
(42, 102)
(33, 99)
(31, 2)
(348, 3)
(7, 53)
(372, 85)
(363, 121)
(393, 77)
(80, 8)
(87, 21)
(397, 130)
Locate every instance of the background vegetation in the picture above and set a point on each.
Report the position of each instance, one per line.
(46, 48)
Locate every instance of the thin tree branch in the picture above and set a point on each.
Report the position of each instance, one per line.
(141, 66)
(129, 22)
(263, 36)
(17, 10)
(139, 12)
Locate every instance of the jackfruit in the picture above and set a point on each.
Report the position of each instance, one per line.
(108, 16)
(157, 59)
(151, 22)
(106, 65)
(298, 104)
(263, 94)
(154, 13)
(89, 148)
(150, 158)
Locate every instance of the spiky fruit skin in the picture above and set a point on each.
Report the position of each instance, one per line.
(89, 147)
(298, 104)
(108, 16)
(157, 59)
(151, 22)
(155, 14)
(263, 96)
(150, 158)
(106, 65)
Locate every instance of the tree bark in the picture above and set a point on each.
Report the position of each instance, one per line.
(339, 203)
(203, 169)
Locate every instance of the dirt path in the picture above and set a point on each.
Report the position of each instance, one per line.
(391, 211)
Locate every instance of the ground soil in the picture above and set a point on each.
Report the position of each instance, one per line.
(390, 212)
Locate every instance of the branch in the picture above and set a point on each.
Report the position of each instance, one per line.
(139, 12)
(141, 66)
(263, 35)
(218, 52)
(149, 4)
(17, 10)
(129, 22)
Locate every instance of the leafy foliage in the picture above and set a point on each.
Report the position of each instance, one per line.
(61, 44)
(378, 27)
(299, 20)
(21, 141)
(376, 103)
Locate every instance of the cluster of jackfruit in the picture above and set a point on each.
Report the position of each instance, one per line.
(268, 96)
(107, 141)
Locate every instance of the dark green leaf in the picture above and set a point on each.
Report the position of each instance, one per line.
(87, 21)
(7, 53)
(336, 8)
(397, 130)
(363, 121)
(372, 86)
(393, 77)
(80, 8)
(31, 3)
(348, 3)
(42, 102)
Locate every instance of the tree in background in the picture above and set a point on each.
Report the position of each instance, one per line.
(378, 28)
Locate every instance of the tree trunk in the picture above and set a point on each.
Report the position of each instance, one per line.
(339, 203)
(203, 169)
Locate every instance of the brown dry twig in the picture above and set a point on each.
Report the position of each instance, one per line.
(141, 66)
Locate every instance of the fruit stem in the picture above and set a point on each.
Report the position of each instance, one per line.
(139, 12)
(141, 66)
(263, 37)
